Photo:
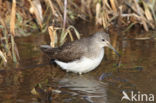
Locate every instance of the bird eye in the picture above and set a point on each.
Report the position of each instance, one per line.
(103, 39)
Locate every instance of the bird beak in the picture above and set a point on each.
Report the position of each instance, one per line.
(111, 47)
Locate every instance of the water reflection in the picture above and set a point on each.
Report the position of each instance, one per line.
(90, 89)
(137, 72)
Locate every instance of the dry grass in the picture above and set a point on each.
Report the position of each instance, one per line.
(13, 18)
(3, 56)
(55, 32)
(36, 9)
(53, 36)
(62, 14)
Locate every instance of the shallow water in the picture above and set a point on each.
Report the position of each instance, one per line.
(103, 85)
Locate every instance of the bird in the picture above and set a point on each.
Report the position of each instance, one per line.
(80, 56)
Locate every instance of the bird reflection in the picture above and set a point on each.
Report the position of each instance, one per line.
(87, 87)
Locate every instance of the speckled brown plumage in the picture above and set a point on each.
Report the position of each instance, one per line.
(74, 50)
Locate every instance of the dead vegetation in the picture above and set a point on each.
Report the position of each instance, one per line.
(19, 18)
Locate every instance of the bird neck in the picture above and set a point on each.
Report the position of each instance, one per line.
(95, 52)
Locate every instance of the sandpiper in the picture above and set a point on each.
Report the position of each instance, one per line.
(80, 56)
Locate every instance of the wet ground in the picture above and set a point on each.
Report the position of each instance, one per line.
(137, 72)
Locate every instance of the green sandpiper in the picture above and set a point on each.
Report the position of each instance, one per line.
(80, 56)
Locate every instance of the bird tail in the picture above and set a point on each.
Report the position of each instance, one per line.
(45, 48)
(49, 51)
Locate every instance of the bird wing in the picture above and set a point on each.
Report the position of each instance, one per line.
(66, 53)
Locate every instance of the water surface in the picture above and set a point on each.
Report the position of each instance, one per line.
(103, 85)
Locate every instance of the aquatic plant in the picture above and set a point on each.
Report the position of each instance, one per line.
(59, 16)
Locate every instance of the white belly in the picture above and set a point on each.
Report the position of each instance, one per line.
(83, 65)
